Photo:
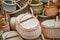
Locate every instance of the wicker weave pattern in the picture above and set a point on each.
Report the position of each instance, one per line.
(51, 32)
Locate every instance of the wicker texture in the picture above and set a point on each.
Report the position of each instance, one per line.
(8, 5)
(11, 35)
(33, 29)
(5, 27)
(22, 7)
(52, 31)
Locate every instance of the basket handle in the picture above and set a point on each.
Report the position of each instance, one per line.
(18, 5)
(21, 8)
(56, 18)
(33, 13)
(43, 12)
(25, 15)
(42, 36)
(56, 24)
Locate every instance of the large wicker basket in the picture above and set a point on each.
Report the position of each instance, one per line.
(50, 31)
(31, 32)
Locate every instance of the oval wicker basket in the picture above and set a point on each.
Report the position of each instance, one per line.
(13, 20)
(51, 29)
(11, 35)
(32, 31)
(30, 35)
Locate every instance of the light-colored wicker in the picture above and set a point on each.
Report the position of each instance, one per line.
(31, 32)
(50, 29)
(12, 23)
(9, 5)
(11, 35)
(22, 8)
(51, 32)
(13, 19)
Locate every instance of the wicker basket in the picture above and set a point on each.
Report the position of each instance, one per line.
(37, 8)
(13, 19)
(31, 32)
(51, 32)
(22, 7)
(52, 10)
(11, 35)
(9, 5)
(51, 29)
(6, 26)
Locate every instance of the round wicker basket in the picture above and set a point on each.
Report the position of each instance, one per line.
(8, 5)
(5, 27)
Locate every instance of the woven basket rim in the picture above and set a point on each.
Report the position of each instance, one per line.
(7, 3)
(51, 27)
(40, 3)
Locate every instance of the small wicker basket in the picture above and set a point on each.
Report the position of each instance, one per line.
(8, 5)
